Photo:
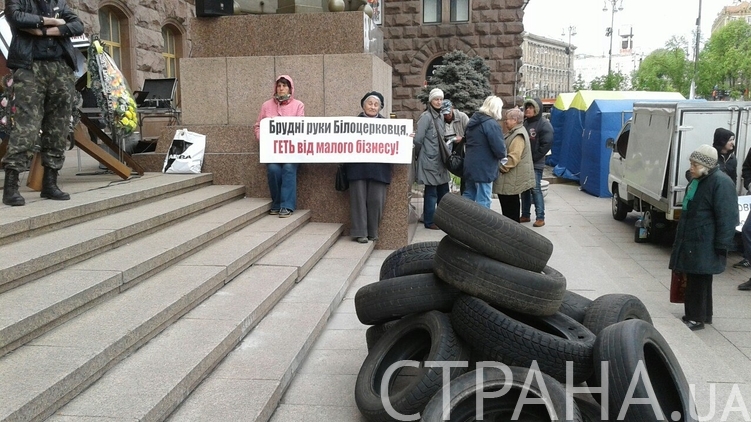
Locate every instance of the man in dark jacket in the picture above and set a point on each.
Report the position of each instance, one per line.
(724, 143)
(540, 139)
(704, 234)
(41, 57)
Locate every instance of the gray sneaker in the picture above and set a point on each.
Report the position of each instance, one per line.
(743, 263)
(284, 213)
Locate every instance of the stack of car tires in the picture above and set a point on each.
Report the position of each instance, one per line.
(480, 313)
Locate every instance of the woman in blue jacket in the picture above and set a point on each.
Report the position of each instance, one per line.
(485, 150)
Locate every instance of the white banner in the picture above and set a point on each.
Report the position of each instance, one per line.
(335, 140)
(744, 205)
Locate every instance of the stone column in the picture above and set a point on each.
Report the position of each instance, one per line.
(300, 6)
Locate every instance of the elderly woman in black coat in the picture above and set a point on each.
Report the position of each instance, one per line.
(704, 234)
(367, 183)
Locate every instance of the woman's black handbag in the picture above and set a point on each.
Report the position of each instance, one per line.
(340, 182)
(453, 160)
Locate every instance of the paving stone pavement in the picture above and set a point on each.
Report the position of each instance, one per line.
(598, 255)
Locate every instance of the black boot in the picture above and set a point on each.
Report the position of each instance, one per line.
(49, 186)
(10, 189)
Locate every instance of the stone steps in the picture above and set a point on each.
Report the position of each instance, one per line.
(151, 383)
(32, 257)
(35, 307)
(42, 216)
(250, 382)
(155, 291)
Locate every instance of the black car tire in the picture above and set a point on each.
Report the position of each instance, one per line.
(574, 305)
(492, 234)
(549, 398)
(391, 299)
(503, 285)
(518, 340)
(609, 309)
(415, 258)
(627, 346)
(421, 337)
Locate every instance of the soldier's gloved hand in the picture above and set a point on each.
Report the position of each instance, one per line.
(721, 252)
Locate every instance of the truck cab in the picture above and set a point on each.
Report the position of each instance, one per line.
(621, 203)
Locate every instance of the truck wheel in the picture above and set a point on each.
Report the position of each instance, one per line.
(620, 209)
(655, 223)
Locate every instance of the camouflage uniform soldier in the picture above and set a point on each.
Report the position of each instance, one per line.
(41, 57)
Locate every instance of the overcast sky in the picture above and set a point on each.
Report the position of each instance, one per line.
(653, 21)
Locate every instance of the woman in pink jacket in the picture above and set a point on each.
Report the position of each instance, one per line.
(282, 177)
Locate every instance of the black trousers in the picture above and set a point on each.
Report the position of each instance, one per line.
(698, 302)
(510, 206)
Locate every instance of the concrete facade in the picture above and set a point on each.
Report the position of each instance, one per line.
(493, 32)
(223, 89)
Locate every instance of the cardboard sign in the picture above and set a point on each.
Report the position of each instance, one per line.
(335, 140)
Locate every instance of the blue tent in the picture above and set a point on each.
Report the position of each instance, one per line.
(570, 140)
(602, 120)
(562, 104)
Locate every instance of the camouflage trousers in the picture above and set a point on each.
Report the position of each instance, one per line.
(43, 102)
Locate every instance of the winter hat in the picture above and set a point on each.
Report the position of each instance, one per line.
(446, 107)
(435, 92)
(375, 94)
(704, 155)
(721, 137)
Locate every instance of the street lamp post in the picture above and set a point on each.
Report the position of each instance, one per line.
(692, 93)
(571, 32)
(609, 32)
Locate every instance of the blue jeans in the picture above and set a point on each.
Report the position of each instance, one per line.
(433, 195)
(534, 195)
(282, 185)
(478, 192)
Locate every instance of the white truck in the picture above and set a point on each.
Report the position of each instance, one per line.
(650, 157)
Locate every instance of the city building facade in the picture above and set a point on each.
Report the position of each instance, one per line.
(147, 39)
(417, 33)
(547, 67)
(731, 13)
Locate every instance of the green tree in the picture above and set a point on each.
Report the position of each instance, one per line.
(725, 61)
(463, 79)
(579, 83)
(665, 69)
(616, 81)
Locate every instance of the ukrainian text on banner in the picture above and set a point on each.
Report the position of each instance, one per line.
(335, 140)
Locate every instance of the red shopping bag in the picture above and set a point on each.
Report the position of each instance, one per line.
(677, 287)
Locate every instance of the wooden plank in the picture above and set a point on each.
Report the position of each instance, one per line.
(112, 145)
(81, 136)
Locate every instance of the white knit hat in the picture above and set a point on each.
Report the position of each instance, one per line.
(435, 92)
(705, 155)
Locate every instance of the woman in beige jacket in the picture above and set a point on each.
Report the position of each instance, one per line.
(518, 174)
